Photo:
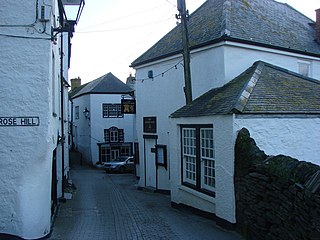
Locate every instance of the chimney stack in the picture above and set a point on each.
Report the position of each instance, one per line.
(75, 82)
(318, 25)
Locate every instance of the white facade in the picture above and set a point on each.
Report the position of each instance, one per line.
(223, 204)
(211, 67)
(30, 114)
(293, 136)
(88, 132)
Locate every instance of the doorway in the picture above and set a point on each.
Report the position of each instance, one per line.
(54, 181)
(150, 163)
(114, 154)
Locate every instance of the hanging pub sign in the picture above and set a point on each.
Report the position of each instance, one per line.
(128, 106)
(150, 124)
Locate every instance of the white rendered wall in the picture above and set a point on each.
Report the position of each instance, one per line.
(83, 127)
(26, 152)
(90, 132)
(294, 136)
(98, 123)
(239, 57)
(223, 205)
(164, 94)
(210, 67)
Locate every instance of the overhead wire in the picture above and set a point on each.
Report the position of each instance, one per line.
(24, 37)
(125, 28)
(120, 18)
(175, 66)
(171, 3)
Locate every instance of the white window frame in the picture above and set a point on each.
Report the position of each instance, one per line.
(198, 158)
(207, 159)
(189, 155)
(114, 135)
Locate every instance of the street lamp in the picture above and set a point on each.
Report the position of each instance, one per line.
(86, 113)
(70, 12)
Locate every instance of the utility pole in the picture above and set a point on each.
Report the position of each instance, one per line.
(184, 16)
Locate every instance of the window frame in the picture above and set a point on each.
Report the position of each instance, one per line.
(198, 181)
(161, 155)
(114, 108)
(113, 135)
(76, 112)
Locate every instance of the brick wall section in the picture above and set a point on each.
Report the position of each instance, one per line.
(276, 197)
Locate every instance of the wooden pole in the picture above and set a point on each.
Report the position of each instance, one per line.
(184, 15)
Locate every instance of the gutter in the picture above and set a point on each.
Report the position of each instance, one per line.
(225, 38)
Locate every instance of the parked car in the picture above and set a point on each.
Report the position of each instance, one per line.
(120, 164)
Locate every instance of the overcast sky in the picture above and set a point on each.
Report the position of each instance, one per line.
(112, 34)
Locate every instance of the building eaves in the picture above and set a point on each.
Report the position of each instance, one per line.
(261, 89)
(73, 92)
(107, 84)
(264, 23)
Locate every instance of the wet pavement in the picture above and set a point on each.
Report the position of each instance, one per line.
(109, 206)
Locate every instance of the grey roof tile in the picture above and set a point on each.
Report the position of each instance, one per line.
(261, 89)
(258, 22)
(107, 84)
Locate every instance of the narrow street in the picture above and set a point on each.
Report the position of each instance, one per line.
(109, 206)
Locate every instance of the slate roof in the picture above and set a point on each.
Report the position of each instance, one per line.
(259, 22)
(261, 89)
(107, 84)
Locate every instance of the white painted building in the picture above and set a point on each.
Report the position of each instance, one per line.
(221, 49)
(281, 110)
(34, 85)
(101, 130)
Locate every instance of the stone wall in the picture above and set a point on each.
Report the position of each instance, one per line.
(277, 197)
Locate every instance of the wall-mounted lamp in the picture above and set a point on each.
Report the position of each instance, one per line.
(86, 113)
(70, 12)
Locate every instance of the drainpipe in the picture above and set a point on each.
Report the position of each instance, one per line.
(62, 116)
(71, 124)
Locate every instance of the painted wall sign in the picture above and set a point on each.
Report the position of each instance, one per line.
(150, 124)
(19, 121)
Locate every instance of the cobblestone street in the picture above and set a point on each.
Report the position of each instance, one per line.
(109, 206)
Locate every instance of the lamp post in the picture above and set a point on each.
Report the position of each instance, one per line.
(69, 14)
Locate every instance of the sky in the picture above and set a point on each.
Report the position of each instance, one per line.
(111, 34)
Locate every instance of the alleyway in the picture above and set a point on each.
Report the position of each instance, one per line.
(109, 206)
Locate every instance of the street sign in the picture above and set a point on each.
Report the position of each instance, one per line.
(19, 121)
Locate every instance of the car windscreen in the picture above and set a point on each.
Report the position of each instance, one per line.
(120, 159)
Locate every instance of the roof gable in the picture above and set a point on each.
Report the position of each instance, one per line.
(258, 22)
(261, 89)
(107, 84)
